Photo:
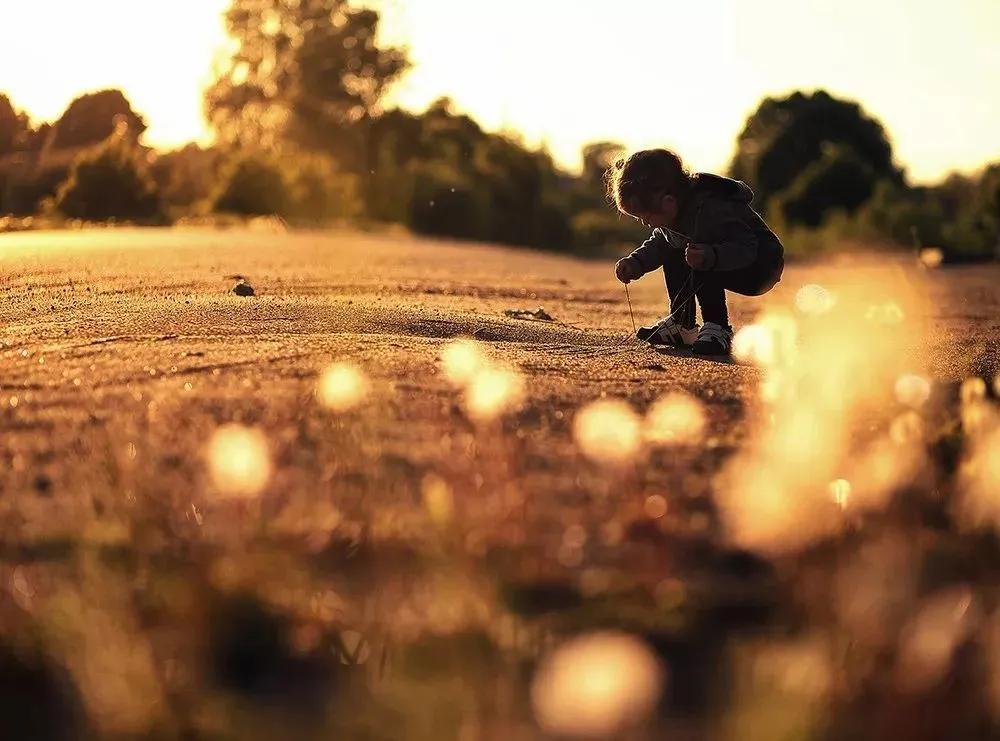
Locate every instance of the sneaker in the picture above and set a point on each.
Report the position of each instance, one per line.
(713, 339)
(669, 333)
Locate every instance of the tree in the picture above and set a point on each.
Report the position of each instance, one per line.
(92, 118)
(784, 137)
(838, 180)
(598, 158)
(308, 71)
(13, 126)
(254, 186)
(110, 182)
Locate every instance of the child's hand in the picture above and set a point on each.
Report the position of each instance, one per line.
(628, 269)
(696, 255)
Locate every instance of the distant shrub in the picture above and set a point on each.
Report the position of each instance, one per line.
(186, 177)
(320, 191)
(445, 204)
(598, 229)
(110, 182)
(253, 185)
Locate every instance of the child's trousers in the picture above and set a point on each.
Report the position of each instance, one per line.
(710, 286)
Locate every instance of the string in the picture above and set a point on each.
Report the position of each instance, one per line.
(629, 300)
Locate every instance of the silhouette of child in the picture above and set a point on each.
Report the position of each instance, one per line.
(707, 239)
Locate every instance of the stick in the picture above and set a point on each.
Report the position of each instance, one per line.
(629, 299)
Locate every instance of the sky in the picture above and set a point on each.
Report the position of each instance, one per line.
(677, 73)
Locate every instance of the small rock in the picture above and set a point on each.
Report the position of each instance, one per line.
(242, 288)
(43, 485)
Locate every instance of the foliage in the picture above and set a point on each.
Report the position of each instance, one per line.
(92, 118)
(320, 191)
(187, 176)
(838, 180)
(304, 72)
(13, 126)
(254, 185)
(110, 182)
(785, 137)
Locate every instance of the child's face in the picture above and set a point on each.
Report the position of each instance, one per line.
(664, 217)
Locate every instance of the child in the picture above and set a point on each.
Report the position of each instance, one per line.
(706, 238)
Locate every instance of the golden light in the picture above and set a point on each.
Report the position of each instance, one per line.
(461, 360)
(931, 257)
(930, 639)
(676, 418)
(979, 504)
(885, 313)
(596, 686)
(814, 299)
(607, 431)
(840, 492)
(438, 502)
(239, 461)
(972, 390)
(493, 391)
(754, 344)
(823, 380)
(342, 387)
(912, 390)
(655, 506)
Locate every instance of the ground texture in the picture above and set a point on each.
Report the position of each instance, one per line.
(121, 351)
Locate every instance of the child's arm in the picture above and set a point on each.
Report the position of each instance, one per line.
(728, 241)
(652, 253)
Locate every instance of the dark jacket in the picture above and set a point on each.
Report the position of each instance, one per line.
(716, 212)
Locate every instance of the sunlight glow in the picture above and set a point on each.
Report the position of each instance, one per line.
(239, 461)
(607, 431)
(597, 685)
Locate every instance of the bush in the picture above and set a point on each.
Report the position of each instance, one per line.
(446, 204)
(254, 185)
(186, 177)
(320, 192)
(110, 182)
(838, 181)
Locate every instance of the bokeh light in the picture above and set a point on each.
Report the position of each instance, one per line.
(931, 257)
(840, 492)
(930, 639)
(597, 685)
(912, 390)
(239, 460)
(341, 387)
(493, 391)
(676, 418)
(437, 497)
(607, 431)
(814, 299)
(461, 360)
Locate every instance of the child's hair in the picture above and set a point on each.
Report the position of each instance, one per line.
(636, 183)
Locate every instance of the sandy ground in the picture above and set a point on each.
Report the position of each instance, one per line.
(121, 351)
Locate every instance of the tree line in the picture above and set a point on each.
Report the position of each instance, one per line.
(301, 132)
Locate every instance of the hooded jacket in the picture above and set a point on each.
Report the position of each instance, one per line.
(716, 212)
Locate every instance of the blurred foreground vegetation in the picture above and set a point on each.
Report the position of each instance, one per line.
(302, 134)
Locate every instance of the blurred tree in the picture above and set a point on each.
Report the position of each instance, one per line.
(187, 176)
(92, 118)
(14, 127)
(320, 191)
(784, 137)
(838, 180)
(307, 71)
(254, 185)
(598, 158)
(110, 182)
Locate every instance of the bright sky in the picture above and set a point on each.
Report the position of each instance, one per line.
(565, 72)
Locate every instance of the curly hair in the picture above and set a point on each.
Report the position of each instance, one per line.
(637, 182)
